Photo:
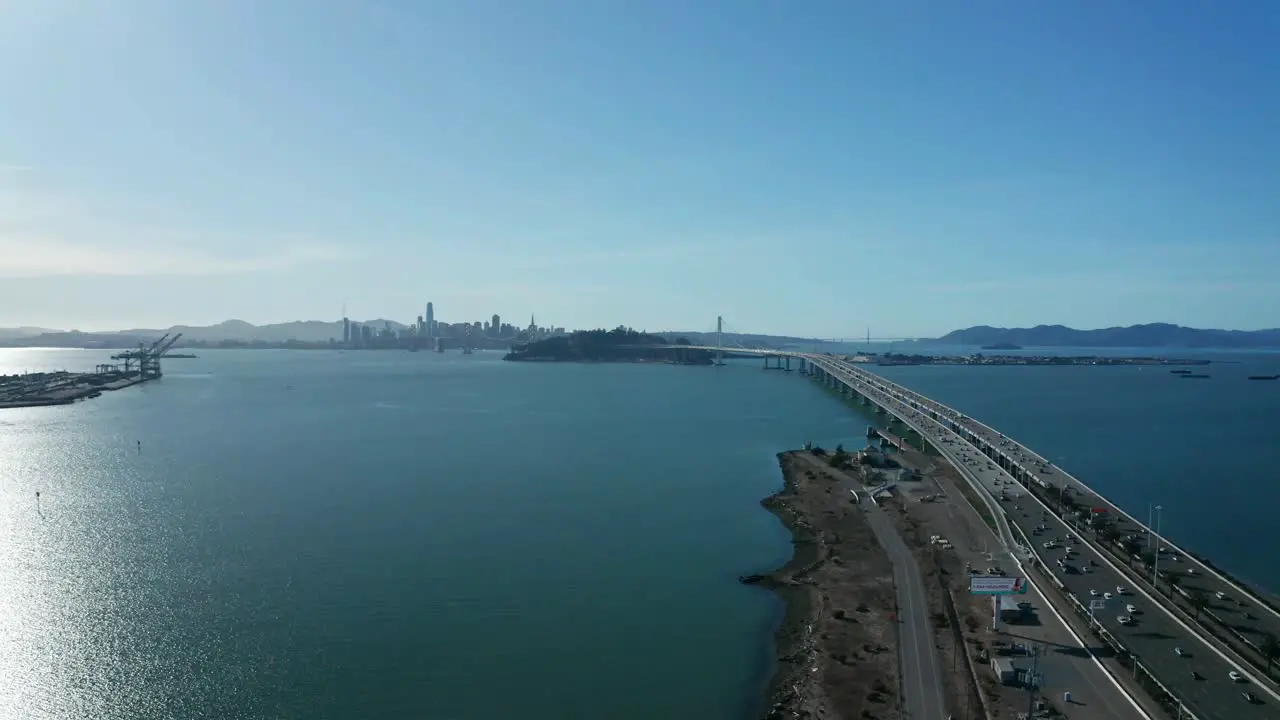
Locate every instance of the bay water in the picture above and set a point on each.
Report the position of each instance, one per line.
(314, 534)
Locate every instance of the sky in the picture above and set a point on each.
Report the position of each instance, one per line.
(815, 168)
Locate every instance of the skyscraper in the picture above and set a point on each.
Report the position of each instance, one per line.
(495, 326)
(346, 331)
(431, 321)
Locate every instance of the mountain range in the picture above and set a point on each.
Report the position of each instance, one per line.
(1152, 335)
(302, 331)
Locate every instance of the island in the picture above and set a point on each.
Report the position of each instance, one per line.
(622, 344)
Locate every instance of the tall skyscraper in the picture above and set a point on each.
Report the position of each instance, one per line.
(431, 320)
(495, 325)
(346, 331)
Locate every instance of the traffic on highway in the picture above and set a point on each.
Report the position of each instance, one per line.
(1197, 587)
(1196, 671)
(1231, 604)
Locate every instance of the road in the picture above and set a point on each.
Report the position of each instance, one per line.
(1064, 665)
(1237, 607)
(1156, 633)
(921, 679)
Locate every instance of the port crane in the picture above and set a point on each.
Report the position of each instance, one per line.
(145, 360)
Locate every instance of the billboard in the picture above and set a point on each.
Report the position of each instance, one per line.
(997, 585)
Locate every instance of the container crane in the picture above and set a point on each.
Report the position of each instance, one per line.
(146, 360)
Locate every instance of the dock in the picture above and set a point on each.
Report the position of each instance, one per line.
(889, 438)
(42, 389)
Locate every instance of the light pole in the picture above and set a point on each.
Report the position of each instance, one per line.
(1155, 563)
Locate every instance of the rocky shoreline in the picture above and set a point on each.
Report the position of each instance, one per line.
(835, 643)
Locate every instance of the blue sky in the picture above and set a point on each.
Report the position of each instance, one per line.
(810, 168)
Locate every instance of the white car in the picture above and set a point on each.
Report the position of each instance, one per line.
(1235, 676)
(1121, 591)
(1179, 652)
(1106, 596)
(1093, 593)
(1125, 620)
(1131, 609)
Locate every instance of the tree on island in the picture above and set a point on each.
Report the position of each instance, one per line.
(839, 459)
(1198, 601)
(619, 344)
(1270, 649)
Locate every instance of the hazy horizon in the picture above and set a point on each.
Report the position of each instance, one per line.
(800, 171)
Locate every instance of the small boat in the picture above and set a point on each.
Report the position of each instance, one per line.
(1180, 372)
(1264, 377)
(1194, 376)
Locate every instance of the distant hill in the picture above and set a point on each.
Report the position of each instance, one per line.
(302, 331)
(22, 332)
(1136, 336)
(622, 344)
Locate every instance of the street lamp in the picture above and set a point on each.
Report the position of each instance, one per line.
(1155, 563)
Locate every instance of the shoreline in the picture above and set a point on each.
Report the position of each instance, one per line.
(835, 647)
(798, 602)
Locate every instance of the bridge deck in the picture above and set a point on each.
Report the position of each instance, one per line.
(1158, 630)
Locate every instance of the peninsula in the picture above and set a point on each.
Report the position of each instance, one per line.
(621, 344)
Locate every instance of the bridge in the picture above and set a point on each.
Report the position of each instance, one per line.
(1196, 624)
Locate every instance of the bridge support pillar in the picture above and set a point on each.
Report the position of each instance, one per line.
(788, 363)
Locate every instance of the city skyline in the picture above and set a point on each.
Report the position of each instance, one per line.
(427, 328)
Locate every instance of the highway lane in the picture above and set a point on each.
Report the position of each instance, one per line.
(1155, 634)
(1237, 607)
(1063, 666)
(921, 679)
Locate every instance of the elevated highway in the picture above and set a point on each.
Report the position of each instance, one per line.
(1191, 584)
(1190, 664)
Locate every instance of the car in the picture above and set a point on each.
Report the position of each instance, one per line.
(1131, 609)
(1221, 595)
(1125, 620)
(1106, 596)
(1249, 697)
(1121, 591)
(1235, 676)
(1179, 652)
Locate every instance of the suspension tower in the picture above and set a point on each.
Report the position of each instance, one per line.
(719, 344)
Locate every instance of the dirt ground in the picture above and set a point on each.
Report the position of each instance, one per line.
(962, 621)
(837, 653)
(956, 520)
(971, 540)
